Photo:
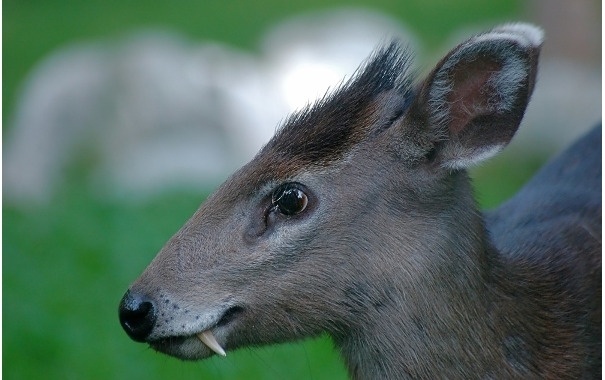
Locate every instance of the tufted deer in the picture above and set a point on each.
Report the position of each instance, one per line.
(358, 220)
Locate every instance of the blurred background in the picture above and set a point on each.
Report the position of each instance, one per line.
(119, 118)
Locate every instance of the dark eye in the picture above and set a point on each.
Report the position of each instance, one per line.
(289, 199)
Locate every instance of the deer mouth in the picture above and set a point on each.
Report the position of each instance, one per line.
(185, 346)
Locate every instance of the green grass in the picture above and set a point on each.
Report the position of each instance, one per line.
(67, 264)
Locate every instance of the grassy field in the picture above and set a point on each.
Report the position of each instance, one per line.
(67, 264)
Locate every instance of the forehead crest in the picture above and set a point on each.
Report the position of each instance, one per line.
(376, 95)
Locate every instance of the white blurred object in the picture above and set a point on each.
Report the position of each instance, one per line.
(63, 101)
(314, 53)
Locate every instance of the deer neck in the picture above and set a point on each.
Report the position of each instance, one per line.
(438, 323)
(450, 336)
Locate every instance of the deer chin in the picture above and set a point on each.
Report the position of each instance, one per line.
(201, 344)
(195, 347)
(184, 347)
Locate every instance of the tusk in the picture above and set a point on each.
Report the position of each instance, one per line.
(209, 340)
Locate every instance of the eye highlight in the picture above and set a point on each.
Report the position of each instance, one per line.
(289, 199)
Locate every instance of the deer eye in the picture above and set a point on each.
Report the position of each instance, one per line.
(289, 199)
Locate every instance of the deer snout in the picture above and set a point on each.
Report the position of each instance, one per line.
(137, 316)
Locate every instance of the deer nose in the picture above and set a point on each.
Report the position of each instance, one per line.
(137, 316)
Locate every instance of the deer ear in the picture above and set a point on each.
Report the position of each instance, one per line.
(473, 101)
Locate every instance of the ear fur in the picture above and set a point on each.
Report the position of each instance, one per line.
(473, 101)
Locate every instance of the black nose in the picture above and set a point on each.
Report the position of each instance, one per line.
(137, 316)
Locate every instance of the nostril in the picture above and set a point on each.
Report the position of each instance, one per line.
(137, 316)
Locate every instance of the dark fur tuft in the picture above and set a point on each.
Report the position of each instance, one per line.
(324, 131)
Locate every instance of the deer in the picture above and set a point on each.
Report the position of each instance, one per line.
(358, 220)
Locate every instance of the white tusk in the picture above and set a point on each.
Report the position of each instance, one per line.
(209, 340)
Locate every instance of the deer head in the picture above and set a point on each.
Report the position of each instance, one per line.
(356, 219)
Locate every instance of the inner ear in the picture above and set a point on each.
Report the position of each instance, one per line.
(472, 93)
(471, 104)
(477, 84)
